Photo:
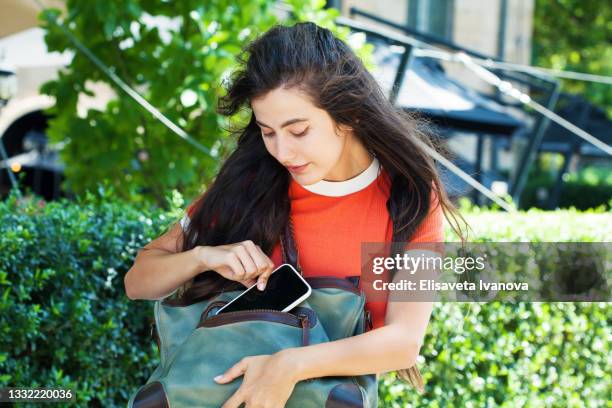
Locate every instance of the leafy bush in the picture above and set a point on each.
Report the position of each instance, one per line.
(511, 355)
(65, 319)
(66, 322)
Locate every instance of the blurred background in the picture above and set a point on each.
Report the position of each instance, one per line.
(108, 130)
(67, 126)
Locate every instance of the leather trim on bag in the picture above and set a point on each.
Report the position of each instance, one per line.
(354, 280)
(320, 282)
(151, 395)
(289, 318)
(345, 396)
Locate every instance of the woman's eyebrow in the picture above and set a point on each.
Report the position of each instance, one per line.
(287, 123)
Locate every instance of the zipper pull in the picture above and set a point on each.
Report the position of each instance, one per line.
(305, 326)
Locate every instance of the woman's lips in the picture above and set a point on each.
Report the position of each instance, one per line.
(297, 169)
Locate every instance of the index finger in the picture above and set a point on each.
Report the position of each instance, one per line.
(263, 279)
(262, 261)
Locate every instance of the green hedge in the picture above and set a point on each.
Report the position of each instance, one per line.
(514, 355)
(65, 319)
(66, 322)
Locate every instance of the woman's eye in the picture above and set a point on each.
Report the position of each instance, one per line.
(302, 133)
(296, 134)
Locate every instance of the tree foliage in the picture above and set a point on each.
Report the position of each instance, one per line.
(176, 54)
(576, 35)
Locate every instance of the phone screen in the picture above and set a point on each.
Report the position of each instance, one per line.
(285, 287)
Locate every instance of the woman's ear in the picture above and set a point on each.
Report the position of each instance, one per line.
(345, 128)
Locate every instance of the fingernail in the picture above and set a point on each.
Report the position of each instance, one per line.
(219, 377)
(261, 286)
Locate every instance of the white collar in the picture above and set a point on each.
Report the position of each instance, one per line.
(345, 187)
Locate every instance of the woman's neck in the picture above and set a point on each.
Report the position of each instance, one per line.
(354, 162)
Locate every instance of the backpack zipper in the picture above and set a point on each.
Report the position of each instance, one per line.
(301, 319)
(305, 326)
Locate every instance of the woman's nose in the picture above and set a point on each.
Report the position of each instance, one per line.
(285, 151)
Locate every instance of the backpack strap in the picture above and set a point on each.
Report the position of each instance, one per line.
(289, 248)
(290, 252)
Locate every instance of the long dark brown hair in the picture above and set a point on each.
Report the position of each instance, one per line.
(248, 199)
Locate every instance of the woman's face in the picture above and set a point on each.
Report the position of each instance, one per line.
(303, 138)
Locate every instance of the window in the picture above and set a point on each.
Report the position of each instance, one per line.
(433, 17)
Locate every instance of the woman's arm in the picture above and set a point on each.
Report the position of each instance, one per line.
(159, 268)
(269, 380)
(391, 347)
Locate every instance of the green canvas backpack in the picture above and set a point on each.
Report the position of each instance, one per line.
(195, 345)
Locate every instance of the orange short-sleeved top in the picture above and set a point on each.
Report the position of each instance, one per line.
(332, 219)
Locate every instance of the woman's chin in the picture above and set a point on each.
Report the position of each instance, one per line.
(305, 179)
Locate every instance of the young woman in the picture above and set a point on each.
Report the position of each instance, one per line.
(324, 148)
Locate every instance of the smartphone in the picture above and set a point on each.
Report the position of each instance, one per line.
(285, 289)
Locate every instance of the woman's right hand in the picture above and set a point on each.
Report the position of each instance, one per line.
(242, 262)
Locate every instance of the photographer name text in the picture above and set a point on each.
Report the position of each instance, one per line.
(432, 285)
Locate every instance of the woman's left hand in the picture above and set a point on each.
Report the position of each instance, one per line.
(268, 381)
